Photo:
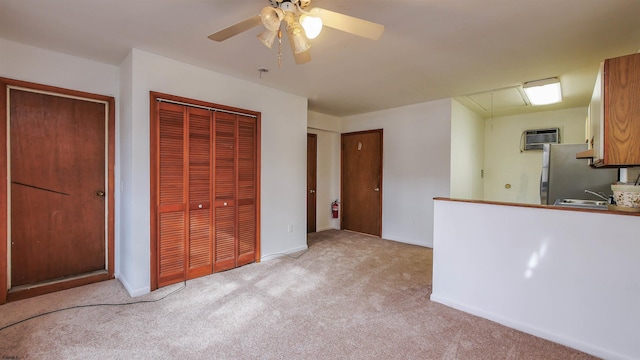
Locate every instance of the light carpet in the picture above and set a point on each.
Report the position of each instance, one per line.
(350, 296)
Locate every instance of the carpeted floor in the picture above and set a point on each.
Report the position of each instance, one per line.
(350, 296)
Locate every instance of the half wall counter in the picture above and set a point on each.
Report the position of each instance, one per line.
(568, 275)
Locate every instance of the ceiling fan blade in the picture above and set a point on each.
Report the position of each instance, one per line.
(300, 58)
(236, 29)
(350, 24)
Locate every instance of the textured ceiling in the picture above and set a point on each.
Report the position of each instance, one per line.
(430, 49)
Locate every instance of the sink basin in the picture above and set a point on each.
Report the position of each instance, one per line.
(581, 203)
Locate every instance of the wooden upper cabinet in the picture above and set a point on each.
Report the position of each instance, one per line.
(614, 114)
(622, 111)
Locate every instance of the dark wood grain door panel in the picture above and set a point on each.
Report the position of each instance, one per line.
(361, 188)
(57, 187)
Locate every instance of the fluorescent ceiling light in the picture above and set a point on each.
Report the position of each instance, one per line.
(543, 92)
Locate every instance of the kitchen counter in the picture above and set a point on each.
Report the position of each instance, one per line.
(549, 207)
(564, 274)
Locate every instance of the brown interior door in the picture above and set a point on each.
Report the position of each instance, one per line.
(57, 187)
(361, 198)
(312, 165)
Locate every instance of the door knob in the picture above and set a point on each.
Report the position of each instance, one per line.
(100, 193)
(376, 189)
(312, 191)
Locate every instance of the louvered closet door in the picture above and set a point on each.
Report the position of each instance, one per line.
(235, 190)
(200, 243)
(225, 192)
(185, 243)
(171, 209)
(247, 189)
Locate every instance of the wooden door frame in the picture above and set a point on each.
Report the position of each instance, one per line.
(154, 98)
(109, 102)
(381, 132)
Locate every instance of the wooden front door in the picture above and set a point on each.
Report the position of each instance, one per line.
(59, 216)
(312, 163)
(361, 199)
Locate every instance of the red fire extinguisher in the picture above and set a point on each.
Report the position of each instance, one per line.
(334, 209)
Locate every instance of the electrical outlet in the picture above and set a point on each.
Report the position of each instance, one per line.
(290, 229)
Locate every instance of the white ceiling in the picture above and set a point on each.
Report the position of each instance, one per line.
(431, 49)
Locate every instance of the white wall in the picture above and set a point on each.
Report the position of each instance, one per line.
(283, 150)
(567, 276)
(416, 154)
(467, 153)
(125, 213)
(504, 163)
(28, 63)
(327, 128)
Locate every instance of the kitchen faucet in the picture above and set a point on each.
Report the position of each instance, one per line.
(598, 194)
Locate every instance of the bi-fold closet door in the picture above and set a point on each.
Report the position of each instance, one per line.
(236, 187)
(206, 192)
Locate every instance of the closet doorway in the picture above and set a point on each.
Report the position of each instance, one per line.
(205, 188)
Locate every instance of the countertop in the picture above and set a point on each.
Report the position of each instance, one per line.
(548, 207)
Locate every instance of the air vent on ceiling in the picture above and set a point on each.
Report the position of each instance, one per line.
(533, 139)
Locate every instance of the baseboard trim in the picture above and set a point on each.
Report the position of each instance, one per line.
(133, 292)
(327, 228)
(284, 253)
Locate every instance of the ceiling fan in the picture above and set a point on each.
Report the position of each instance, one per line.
(300, 26)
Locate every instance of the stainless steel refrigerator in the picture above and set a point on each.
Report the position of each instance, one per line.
(565, 177)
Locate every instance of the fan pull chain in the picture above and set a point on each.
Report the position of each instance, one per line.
(279, 47)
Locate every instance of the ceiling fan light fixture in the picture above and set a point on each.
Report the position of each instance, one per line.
(300, 42)
(271, 17)
(543, 92)
(267, 37)
(312, 25)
